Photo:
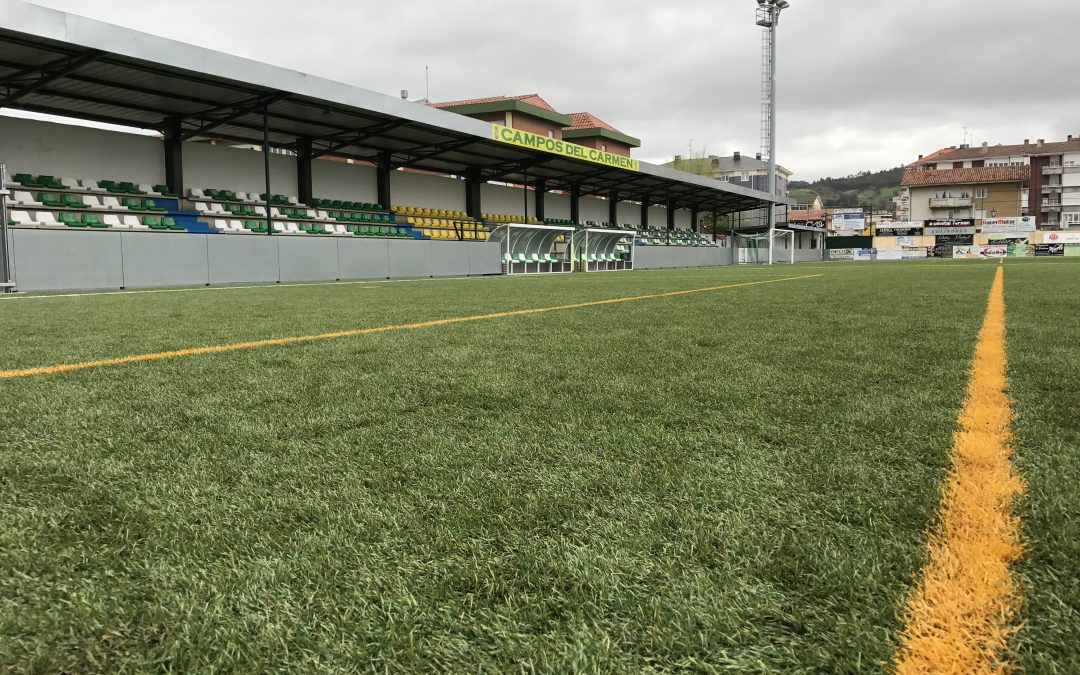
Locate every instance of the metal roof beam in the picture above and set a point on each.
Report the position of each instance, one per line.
(435, 152)
(358, 136)
(231, 113)
(37, 77)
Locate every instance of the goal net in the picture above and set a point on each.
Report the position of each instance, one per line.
(757, 249)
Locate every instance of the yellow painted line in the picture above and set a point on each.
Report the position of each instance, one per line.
(235, 346)
(962, 611)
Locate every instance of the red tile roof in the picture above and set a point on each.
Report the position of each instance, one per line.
(531, 99)
(931, 157)
(989, 174)
(1022, 149)
(587, 120)
(812, 214)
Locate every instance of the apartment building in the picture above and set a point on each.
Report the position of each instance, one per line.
(1039, 179)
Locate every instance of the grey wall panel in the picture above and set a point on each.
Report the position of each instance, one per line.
(363, 258)
(50, 260)
(410, 258)
(242, 259)
(308, 258)
(485, 258)
(449, 258)
(662, 257)
(164, 259)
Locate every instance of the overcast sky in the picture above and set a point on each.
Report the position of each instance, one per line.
(862, 84)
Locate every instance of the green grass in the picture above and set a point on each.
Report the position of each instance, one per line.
(737, 479)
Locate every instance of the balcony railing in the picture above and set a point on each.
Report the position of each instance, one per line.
(950, 202)
(1052, 189)
(1052, 169)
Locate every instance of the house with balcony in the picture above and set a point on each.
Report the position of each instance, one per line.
(1039, 179)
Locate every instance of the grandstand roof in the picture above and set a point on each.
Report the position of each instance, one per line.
(64, 64)
(990, 174)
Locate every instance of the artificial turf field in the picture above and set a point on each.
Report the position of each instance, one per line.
(739, 478)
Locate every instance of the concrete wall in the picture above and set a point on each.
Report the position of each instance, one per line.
(53, 259)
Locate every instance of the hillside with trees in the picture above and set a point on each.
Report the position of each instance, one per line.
(865, 188)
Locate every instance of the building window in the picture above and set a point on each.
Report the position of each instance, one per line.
(980, 193)
(603, 147)
(551, 134)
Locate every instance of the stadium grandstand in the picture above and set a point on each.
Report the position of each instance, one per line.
(387, 187)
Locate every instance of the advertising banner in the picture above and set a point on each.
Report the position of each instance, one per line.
(813, 225)
(1072, 250)
(980, 252)
(890, 254)
(954, 239)
(914, 253)
(896, 229)
(1042, 250)
(848, 222)
(524, 139)
(841, 254)
(950, 226)
(864, 253)
(942, 251)
(1003, 225)
(1061, 237)
(907, 241)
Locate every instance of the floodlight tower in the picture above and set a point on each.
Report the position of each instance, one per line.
(768, 17)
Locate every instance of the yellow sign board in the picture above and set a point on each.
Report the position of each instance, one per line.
(524, 139)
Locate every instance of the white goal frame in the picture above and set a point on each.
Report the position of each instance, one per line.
(743, 256)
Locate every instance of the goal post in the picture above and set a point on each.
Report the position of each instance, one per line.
(761, 249)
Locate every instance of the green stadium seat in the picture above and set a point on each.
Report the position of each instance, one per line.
(91, 220)
(153, 222)
(170, 223)
(129, 187)
(50, 182)
(71, 202)
(107, 185)
(70, 219)
(26, 180)
(131, 203)
(335, 204)
(164, 191)
(49, 199)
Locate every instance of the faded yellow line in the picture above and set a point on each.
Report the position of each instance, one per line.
(961, 613)
(235, 346)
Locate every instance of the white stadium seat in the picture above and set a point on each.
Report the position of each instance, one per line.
(196, 193)
(278, 227)
(149, 189)
(92, 202)
(113, 220)
(340, 229)
(235, 226)
(292, 228)
(91, 184)
(220, 224)
(71, 184)
(22, 218)
(293, 200)
(217, 208)
(201, 207)
(134, 223)
(26, 199)
(113, 203)
(46, 218)
(322, 215)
